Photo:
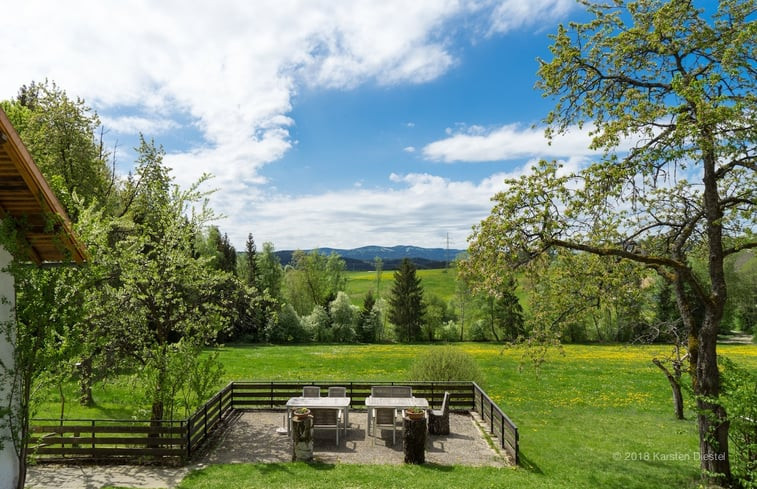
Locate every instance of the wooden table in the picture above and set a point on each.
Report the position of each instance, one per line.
(340, 403)
(373, 403)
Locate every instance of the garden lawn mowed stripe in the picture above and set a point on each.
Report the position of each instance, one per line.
(597, 416)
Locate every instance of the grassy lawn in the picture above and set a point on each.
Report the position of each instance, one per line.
(597, 416)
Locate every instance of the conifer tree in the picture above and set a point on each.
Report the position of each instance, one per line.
(406, 307)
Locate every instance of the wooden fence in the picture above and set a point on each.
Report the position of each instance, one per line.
(104, 439)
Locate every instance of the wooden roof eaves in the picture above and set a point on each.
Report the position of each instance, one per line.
(48, 202)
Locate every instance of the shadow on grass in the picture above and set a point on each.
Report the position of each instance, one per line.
(528, 464)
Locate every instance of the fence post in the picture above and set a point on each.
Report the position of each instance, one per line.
(189, 436)
(491, 415)
(220, 406)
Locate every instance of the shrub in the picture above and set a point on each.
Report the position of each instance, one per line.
(450, 332)
(286, 327)
(740, 402)
(445, 363)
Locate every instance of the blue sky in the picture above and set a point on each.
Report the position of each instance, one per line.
(326, 124)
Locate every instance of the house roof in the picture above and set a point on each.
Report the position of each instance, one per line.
(25, 195)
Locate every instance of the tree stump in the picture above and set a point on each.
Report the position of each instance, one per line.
(414, 440)
(438, 423)
(302, 438)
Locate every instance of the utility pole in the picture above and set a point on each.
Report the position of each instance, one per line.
(446, 255)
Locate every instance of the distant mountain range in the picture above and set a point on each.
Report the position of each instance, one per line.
(362, 259)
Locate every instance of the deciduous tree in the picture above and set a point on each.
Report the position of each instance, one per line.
(682, 88)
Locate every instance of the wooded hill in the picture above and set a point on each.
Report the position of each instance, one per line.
(363, 258)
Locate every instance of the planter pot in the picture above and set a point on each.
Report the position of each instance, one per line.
(301, 413)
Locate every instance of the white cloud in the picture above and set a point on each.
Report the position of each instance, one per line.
(510, 142)
(232, 68)
(409, 149)
(514, 14)
(134, 124)
(421, 209)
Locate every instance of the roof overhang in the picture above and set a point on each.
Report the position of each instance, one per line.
(47, 234)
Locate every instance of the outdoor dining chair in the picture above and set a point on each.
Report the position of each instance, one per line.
(326, 419)
(311, 391)
(335, 391)
(438, 419)
(385, 418)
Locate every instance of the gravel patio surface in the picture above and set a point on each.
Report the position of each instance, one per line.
(258, 437)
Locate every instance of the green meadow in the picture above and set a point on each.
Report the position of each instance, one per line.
(440, 282)
(593, 416)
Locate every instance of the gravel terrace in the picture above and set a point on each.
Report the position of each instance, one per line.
(256, 436)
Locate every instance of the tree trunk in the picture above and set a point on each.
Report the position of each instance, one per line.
(302, 438)
(675, 385)
(85, 382)
(712, 420)
(414, 440)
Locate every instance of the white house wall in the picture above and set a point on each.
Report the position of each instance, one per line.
(8, 459)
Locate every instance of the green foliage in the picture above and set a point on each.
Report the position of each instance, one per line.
(479, 331)
(270, 272)
(218, 247)
(407, 309)
(679, 89)
(741, 308)
(438, 313)
(249, 265)
(313, 279)
(287, 327)
(344, 318)
(740, 401)
(445, 363)
(318, 325)
(501, 314)
(61, 135)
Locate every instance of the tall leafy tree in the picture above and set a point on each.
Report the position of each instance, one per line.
(503, 314)
(165, 301)
(314, 279)
(62, 134)
(682, 87)
(406, 306)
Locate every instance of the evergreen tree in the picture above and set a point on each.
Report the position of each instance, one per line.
(406, 307)
(251, 270)
(368, 320)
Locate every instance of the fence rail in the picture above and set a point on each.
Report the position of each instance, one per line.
(113, 440)
(499, 423)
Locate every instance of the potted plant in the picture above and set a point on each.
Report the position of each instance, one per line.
(301, 413)
(415, 413)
